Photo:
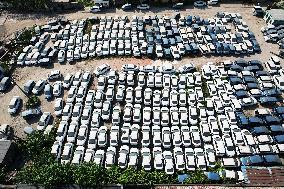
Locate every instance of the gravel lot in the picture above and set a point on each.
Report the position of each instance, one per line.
(21, 75)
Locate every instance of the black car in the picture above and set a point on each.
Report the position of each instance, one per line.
(5, 83)
(252, 86)
(241, 62)
(236, 68)
(253, 69)
(235, 80)
(249, 79)
(261, 73)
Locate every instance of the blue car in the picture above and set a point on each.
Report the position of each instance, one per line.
(268, 100)
(259, 130)
(255, 121)
(279, 139)
(272, 160)
(251, 160)
(188, 20)
(276, 129)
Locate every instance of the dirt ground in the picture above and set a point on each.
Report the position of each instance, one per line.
(21, 75)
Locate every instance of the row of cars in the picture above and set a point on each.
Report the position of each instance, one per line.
(247, 81)
(145, 132)
(274, 34)
(153, 36)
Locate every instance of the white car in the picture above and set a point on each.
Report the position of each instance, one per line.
(106, 110)
(67, 153)
(71, 94)
(158, 158)
(176, 136)
(114, 136)
(129, 95)
(102, 69)
(165, 98)
(58, 107)
(86, 77)
(186, 136)
(95, 9)
(200, 158)
(89, 155)
(166, 137)
(67, 111)
(138, 94)
(189, 159)
(168, 161)
(39, 86)
(82, 135)
(127, 117)
(72, 131)
(165, 117)
(123, 156)
(133, 158)
(210, 155)
(78, 155)
(146, 159)
(110, 157)
(137, 113)
(57, 89)
(174, 116)
(156, 134)
(173, 98)
(134, 135)
(146, 136)
(44, 120)
(14, 105)
(147, 116)
(77, 78)
(56, 150)
(179, 158)
(102, 136)
(129, 67)
(99, 157)
(141, 79)
(61, 131)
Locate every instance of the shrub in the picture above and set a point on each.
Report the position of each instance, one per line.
(32, 102)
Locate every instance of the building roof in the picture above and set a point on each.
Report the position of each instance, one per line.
(276, 14)
(4, 148)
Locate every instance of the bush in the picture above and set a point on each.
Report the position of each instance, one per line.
(86, 3)
(26, 35)
(32, 102)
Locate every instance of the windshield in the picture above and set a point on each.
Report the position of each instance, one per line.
(65, 157)
(71, 134)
